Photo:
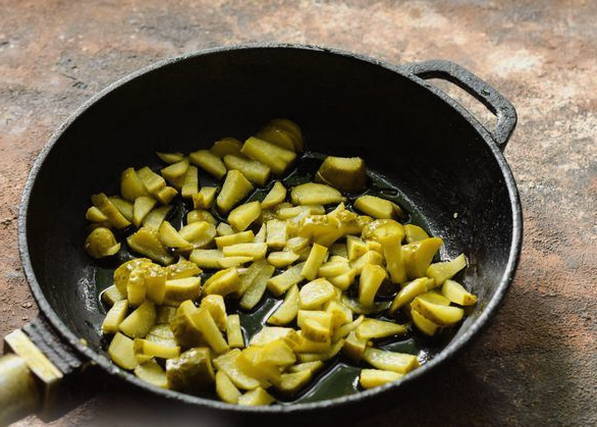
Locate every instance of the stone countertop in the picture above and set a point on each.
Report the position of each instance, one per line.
(536, 363)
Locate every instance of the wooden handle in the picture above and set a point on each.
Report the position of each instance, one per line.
(20, 391)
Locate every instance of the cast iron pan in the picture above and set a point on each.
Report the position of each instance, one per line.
(432, 156)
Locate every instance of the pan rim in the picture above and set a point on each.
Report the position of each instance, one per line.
(448, 352)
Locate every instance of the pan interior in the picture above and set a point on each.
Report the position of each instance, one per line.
(421, 149)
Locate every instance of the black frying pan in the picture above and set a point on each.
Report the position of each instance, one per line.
(449, 170)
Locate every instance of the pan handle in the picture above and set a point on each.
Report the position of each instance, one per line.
(474, 86)
(39, 374)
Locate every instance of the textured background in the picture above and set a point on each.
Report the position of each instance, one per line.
(537, 362)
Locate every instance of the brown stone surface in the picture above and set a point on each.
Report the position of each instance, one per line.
(537, 362)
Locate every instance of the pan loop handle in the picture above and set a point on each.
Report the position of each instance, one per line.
(474, 86)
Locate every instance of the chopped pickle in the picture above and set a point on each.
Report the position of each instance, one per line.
(141, 208)
(198, 234)
(374, 328)
(112, 295)
(340, 313)
(276, 195)
(155, 349)
(152, 373)
(234, 332)
(442, 271)
(392, 252)
(293, 129)
(312, 193)
(226, 146)
(355, 247)
(253, 250)
(382, 230)
(371, 378)
(93, 214)
(135, 287)
(401, 363)
(198, 215)
(178, 290)
(307, 366)
(191, 372)
(375, 206)
(456, 293)
(225, 389)
(277, 234)
(256, 397)
(151, 180)
(233, 239)
(205, 198)
(183, 268)
(278, 159)
(236, 187)
(211, 334)
(190, 184)
(434, 297)
(287, 311)
(223, 282)
(131, 185)
(255, 291)
(217, 309)
(184, 328)
(122, 273)
(277, 353)
(277, 136)
(306, 345)
(223, 229)
(124, 207)
(317, 256)
(115, 218)
(254, 171)
(146, 242)
(170, 157)
(354, 346)
(423, 324)
(268, 334)
(316, 325)
(155, 218)
(175, 170)
(315, 293)
(343, 173)
(244, 215)
(296, 244)
(166, 194)
(115, 316)
(282, 259)
(344, 330)
(292, 383)
(233, 261)
(344, 280)
(418, 256)
(442, 315)
(414, 233)
(410, 291)
(371, 278)
(227, 363)
(101, 243)
(206, 258)
(171, 238)
(139, 322)
(282, 282)
(247, 278)
(122, 352)
(209, 162)
(333, 268)
(368, 258)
